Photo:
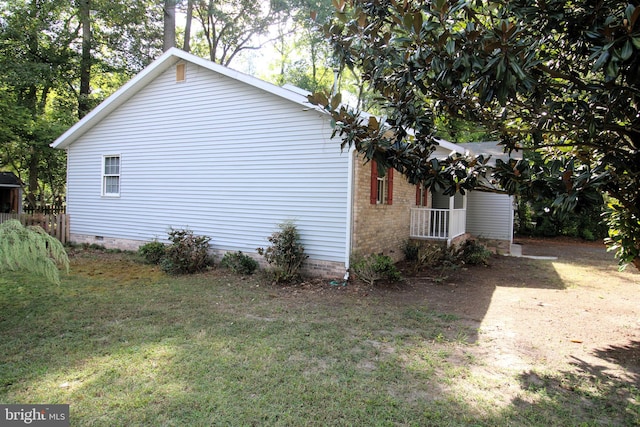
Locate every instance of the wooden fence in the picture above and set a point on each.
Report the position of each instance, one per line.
(45, 209)
(55, 225)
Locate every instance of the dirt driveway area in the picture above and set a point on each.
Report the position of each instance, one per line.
(574, 311)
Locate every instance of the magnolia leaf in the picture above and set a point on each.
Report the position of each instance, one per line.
(627, 51)
(417, 22)
(604, 56)
(373, 123)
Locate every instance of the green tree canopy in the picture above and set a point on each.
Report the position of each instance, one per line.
(53, 69)
(556, 76)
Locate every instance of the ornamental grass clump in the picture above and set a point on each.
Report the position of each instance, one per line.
(31, 249)
(286, 253)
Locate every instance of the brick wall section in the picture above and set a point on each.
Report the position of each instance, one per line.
(381, 228)
(107, 242)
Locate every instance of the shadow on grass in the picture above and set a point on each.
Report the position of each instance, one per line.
(218, 350)
(214, 350)
(627, 356)
(589, 393)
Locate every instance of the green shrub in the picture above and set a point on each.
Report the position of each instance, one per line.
(239, 263)
(411, 250)
(474, 253)
(152, 252)
(286, 253)
(587, 234)
(373, 268)
(187, 253)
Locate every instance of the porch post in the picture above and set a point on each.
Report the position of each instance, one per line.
(452, 206)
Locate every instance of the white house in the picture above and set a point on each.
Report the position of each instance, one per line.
(188, 143)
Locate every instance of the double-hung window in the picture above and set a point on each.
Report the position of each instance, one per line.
(381, 186)
(111, 175)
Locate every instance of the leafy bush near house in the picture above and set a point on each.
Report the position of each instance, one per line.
(239, 263)
(432, 255)
(286, 253)
(474, 253)
(152, 252)
(374, 268)
(411, 250)
(187, 253)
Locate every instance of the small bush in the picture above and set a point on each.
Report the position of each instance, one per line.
(474, 253)
(373, 268)
(152, 252)
(187, 253)
(239, 263)
(411, 250)
(286, 253)
(431, 255)
(587, 234)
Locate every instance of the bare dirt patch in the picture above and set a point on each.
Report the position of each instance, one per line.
(577, 311)
(573, 313)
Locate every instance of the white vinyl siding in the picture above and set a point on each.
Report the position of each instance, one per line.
(490, 215)
(217, 156)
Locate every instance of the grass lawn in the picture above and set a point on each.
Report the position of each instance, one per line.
(126, 345)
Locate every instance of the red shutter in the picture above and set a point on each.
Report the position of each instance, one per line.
(390, 186)
(418, 195)
(425, 198)
(374, 183)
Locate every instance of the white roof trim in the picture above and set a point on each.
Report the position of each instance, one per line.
(170, 58)
(451, 146)
(166, 60)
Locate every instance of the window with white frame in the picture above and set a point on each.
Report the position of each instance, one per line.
(383, 190)
(381, 186)
(111, 175)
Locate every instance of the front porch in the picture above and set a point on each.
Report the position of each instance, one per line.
(440, 222)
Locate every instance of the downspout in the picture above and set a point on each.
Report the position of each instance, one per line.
(349, 222)
(449, 220)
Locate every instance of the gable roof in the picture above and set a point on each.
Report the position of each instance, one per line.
(153, 70)
(170, 58)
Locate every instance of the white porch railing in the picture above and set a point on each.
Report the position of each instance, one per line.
(442, 224)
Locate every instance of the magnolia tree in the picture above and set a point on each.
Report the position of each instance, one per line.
(559, 77)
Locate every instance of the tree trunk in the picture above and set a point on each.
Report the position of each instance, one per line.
(169, 25)
(187, 27)
(85, 62)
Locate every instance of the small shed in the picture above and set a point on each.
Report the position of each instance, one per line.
(10, 193)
